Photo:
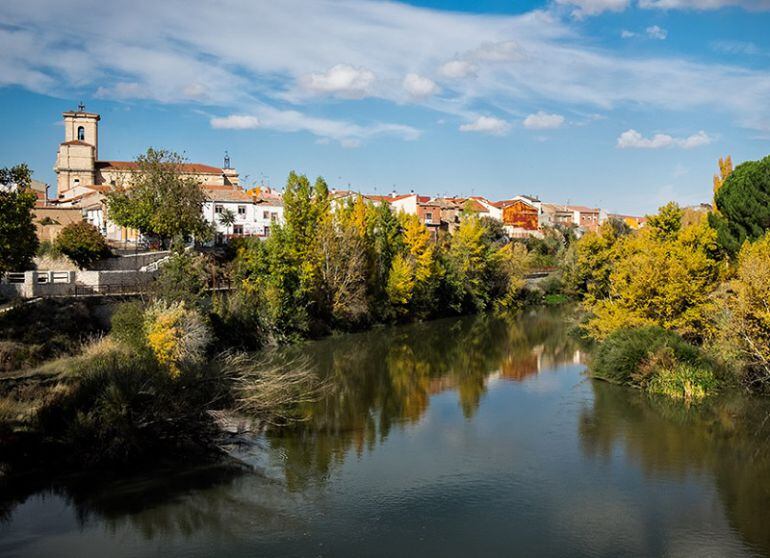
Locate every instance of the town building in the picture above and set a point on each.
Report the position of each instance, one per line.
(83, 180)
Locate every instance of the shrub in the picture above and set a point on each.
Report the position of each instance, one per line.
(177, 335)
(683, 381)
(183, 278)
(127, 325)
(622, 356)
(82, 243)
(120, 406)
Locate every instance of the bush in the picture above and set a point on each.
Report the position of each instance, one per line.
(623, 355)
(683, 381)
(127, 325)
(82, 243)
(177, 335)
(120, 406)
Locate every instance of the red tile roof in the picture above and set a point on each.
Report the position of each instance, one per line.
(192, 168)
(219, 193)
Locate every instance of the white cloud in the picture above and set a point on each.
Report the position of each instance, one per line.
(487, 125)
(631, 139)
(419, 87)
(165, 52)
(583, 8)
(235, 122)
(695, 140)
(705, 5)
(736, 47)
(457, 69)
(502, 51)
(626, 34)
(655, 32)
(340, 80)
(543, 121)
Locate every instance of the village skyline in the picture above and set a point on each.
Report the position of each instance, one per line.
(618, 105)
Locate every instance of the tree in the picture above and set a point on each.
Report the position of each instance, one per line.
(750, 309)
(161, 201)
(743, 205)
(661, 278)
(82, 243)
(725, 170)
(467, 263)
(18, 236)
(227, 219)
(589, 262)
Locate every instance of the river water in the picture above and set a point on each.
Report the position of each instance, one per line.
(478, 436)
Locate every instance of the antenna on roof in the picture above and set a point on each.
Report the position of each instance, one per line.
(81, 107)
(227, 160)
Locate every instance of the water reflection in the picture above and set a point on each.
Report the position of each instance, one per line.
(384, 378)
(471, 436)
(726, 439)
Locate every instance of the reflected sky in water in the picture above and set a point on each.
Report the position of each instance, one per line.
(474, 436)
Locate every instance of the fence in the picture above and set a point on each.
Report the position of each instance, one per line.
(31, 284)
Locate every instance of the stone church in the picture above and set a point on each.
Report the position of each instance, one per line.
(83, 179)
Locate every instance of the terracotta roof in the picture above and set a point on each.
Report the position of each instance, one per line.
(219, 193)
(192, 168)
(476, 207)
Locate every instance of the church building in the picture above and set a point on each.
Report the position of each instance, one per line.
(83, 179)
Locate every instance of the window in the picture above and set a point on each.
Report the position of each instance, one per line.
(81, 133)
(238, 230)
(76, 182)
(429, 217)
(218, 209)
(273, 217)
(266, 215)
(267, 231)
(242, 210)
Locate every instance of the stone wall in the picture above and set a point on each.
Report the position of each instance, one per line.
(32, 284)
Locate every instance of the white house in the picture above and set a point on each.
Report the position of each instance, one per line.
(252, 216)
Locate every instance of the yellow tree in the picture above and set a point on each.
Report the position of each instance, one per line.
(725, 168)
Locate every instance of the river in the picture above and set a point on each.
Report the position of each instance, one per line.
(478, 436)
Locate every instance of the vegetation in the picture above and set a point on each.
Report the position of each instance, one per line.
(18, 237)
(683, 301)
(162, 202)
(336, 265)
(82, 243)
(742, 208)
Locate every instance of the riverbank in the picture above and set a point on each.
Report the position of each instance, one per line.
(455, 436)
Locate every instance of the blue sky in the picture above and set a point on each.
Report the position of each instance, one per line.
(624, 104)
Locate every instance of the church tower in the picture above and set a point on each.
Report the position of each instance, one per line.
(76, 160)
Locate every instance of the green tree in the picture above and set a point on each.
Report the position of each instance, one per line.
(161, 200)
(467, 265)
(227, 219)
(18, 237)
(743, 205)
(589, 261)
(661, 278)
(82, 243)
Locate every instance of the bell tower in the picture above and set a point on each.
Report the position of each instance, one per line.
(76, 160)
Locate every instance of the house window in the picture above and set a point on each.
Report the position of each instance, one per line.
(81, 133)
(273, 217)
(238, 230)
(242, 210)
(267, 231)
(218, 209)
(429, 217)
(76, 182)
(266, 215)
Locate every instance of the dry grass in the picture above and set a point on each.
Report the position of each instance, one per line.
(272, 389)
